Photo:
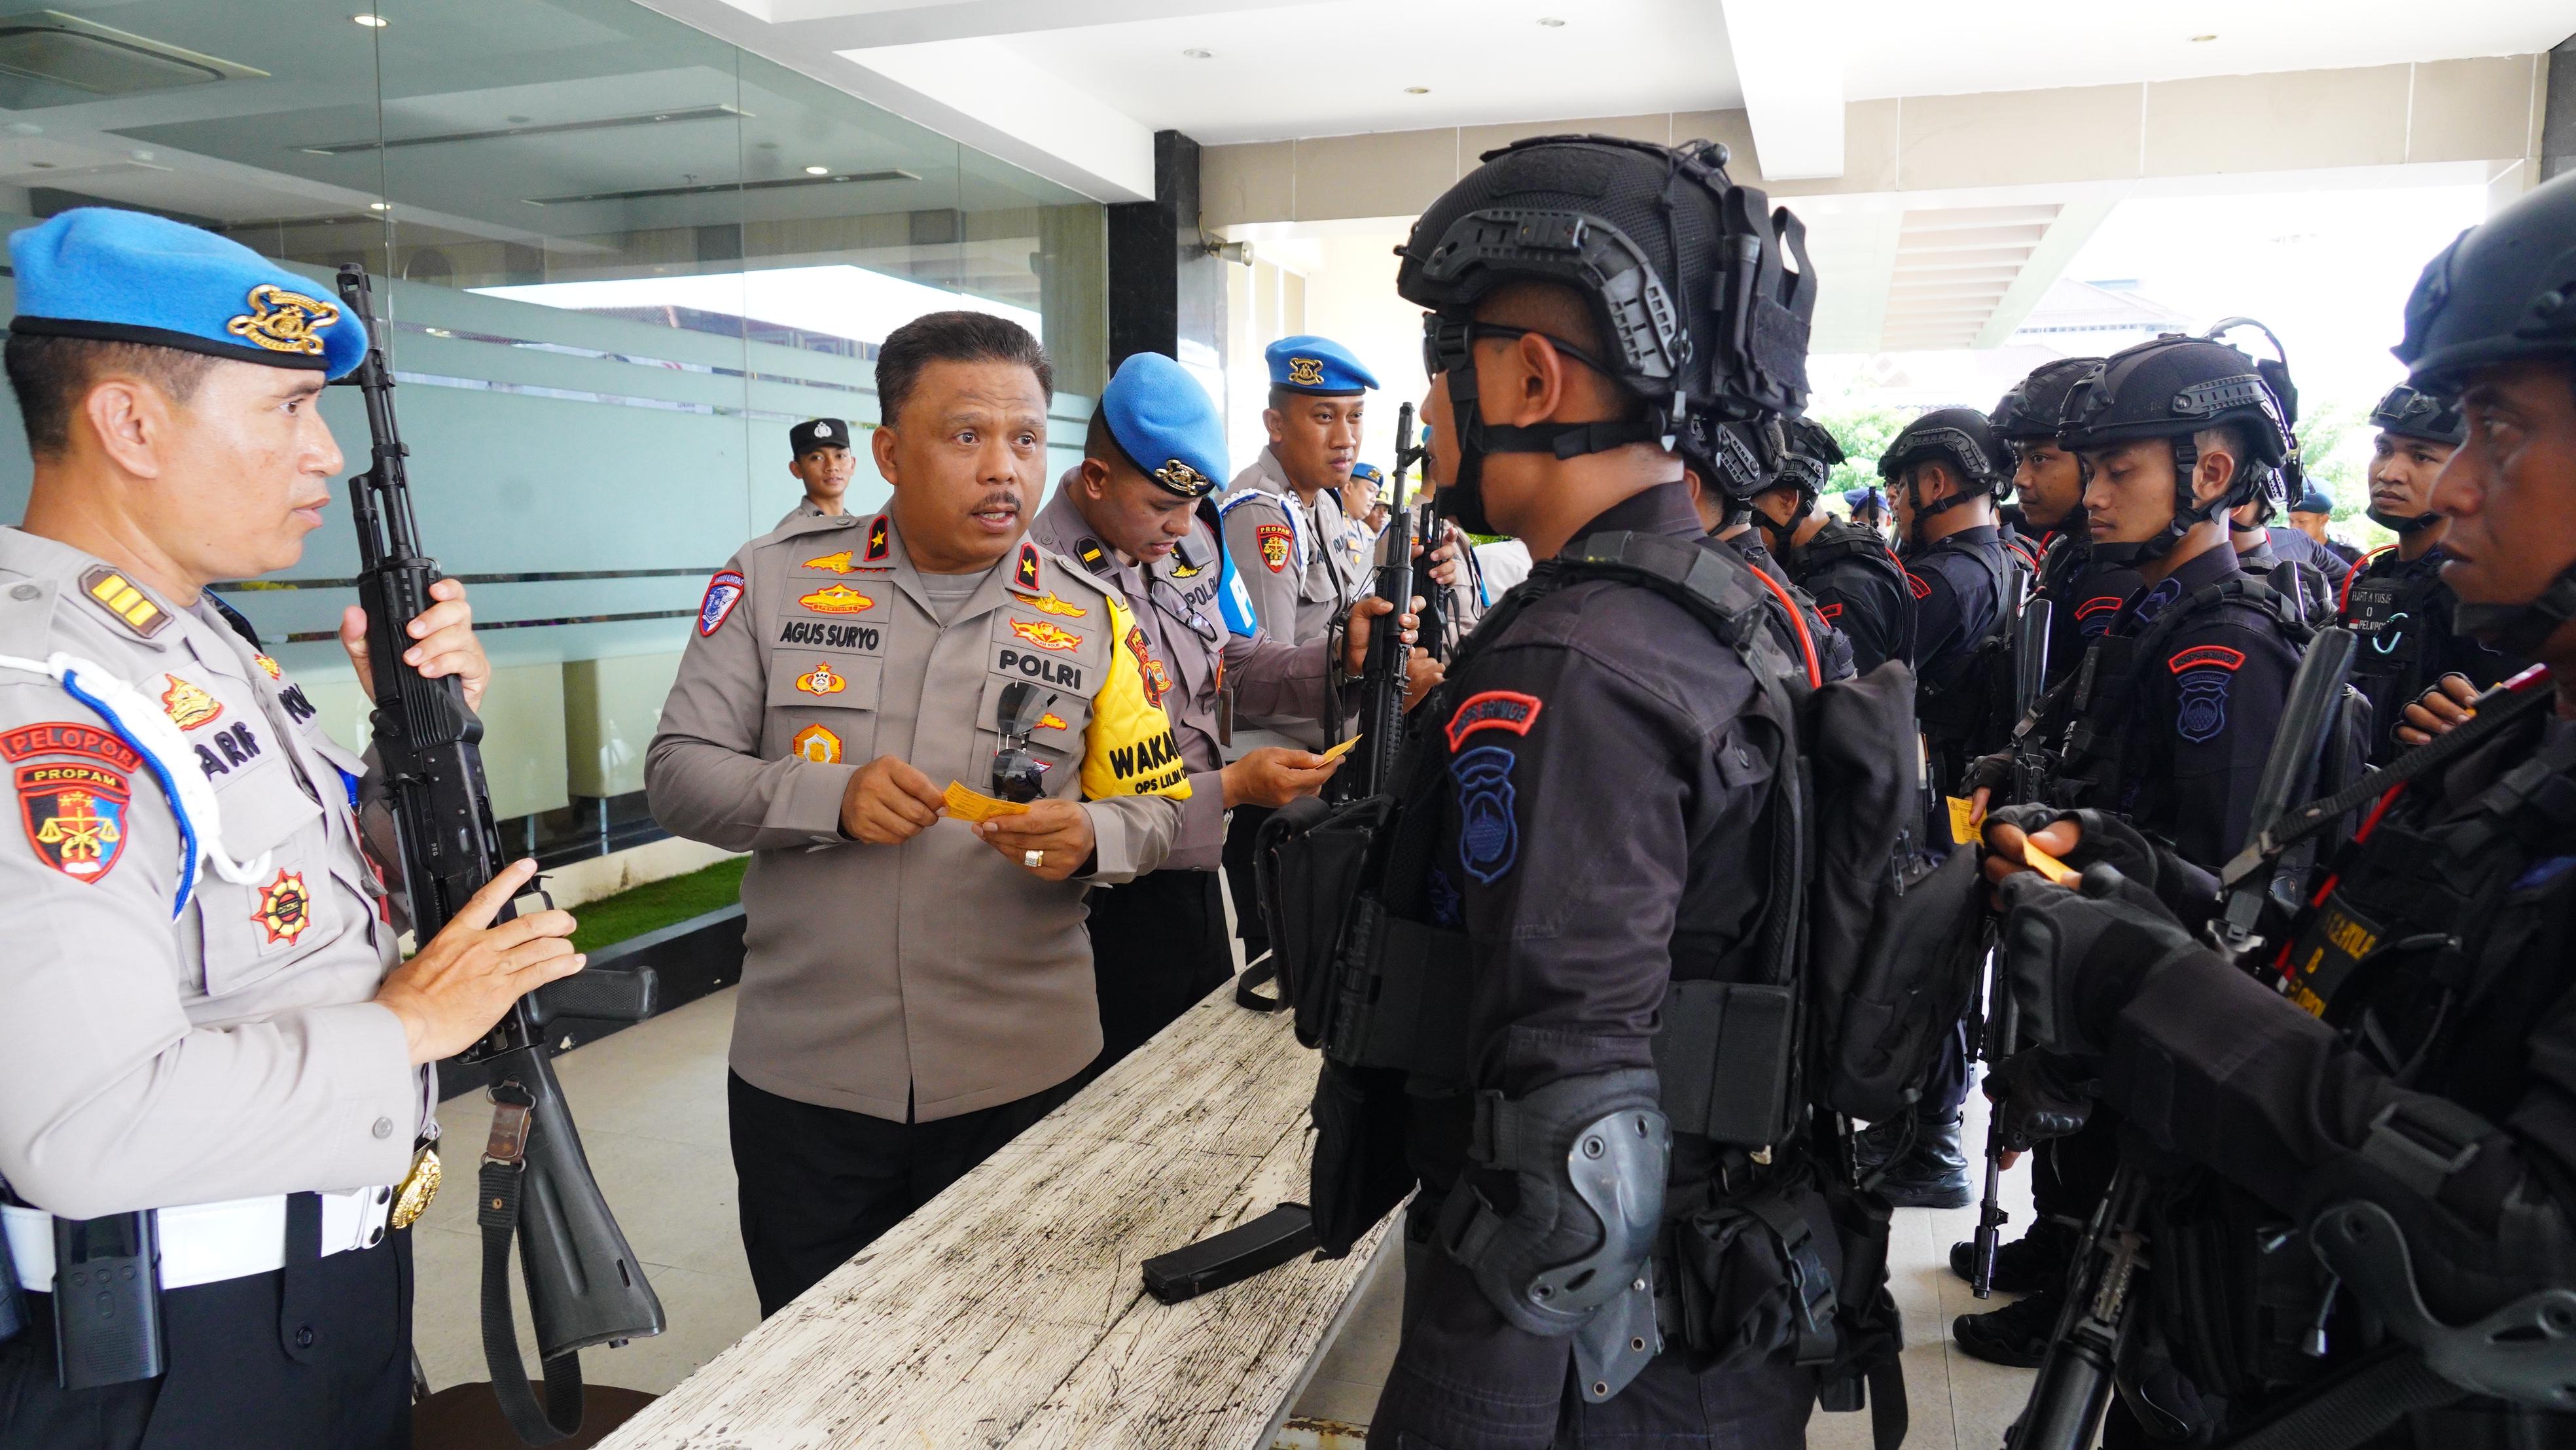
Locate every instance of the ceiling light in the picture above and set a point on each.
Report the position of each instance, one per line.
(1417, 90)
(372, 21)
(1551, 22)
(380, 206)
(1194, 53)
(818, 171)
(2202, 39)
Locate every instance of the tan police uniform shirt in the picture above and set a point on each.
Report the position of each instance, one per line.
(231, 1052)
(805, 508)
(1195, 657)
(936, 973)
(1288, 555)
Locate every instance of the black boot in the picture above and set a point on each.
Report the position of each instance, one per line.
(1933, 1173)
(2016, 1335)
(1873, 1145)
(2028, 1265)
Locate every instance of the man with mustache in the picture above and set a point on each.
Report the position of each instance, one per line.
(916, 990)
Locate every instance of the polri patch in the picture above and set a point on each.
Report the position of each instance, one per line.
(2207, 657)
(1489, 839)
(822, 680)
(1274, 539)
(75, 816)
(1492, 710)
(723, 592)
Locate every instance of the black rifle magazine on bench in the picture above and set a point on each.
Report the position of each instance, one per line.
(1234, 1255)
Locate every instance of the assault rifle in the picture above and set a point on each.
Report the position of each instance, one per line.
(1997, 1039)
(585, 1286)
(1434, 614)
(1381, 719)
(2031, 766)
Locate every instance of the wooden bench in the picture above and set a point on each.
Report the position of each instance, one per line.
(1011, 1311)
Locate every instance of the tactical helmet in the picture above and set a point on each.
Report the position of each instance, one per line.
(2172, 388)
(2030, 411)
(1702, 295)
(1959, 437)
(1808, 460)
(2502, 291)
(2410, 414)
(1731, 458)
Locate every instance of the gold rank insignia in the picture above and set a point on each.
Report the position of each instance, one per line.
(1026, 574)
(188, 705)
(1305, 372)
(270, 665)
(285, 908)
(838, 599)
(1044, 635)
(820, 680)
(880, 541)
(816, 745)
(123, 600)
(1183, 568)
(1048, 603)
(838, 563)
(283, 321)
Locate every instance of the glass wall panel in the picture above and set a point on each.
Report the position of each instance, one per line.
(619, 257)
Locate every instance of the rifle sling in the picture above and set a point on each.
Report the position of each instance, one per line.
(497, 1210)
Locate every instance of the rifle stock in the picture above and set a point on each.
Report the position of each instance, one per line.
(585, 1286)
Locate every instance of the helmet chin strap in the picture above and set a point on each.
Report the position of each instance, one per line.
(2401, 523)
(2188, 512)
(1922, 511)
(2519, 630)
(1464, 500)
(1780, 536)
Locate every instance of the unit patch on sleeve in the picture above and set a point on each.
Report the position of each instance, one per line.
(1489, 839)
(270, 665)
(65, 737)
(1274, 539)
(1492, 710)
(816, 745)
(75, 816)
(723, 592)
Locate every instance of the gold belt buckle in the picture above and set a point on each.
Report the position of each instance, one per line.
(419, 1186)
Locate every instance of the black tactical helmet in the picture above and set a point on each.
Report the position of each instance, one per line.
(2410, 414)
(1730, 458)
(2173, 388)
(2031, 410)
(1702, 294)
(2502, 291)
(1959, 437)
(1808, 460)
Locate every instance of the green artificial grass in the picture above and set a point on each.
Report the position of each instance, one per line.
(657, 904)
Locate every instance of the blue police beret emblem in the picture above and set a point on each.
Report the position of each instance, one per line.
(1489, 839)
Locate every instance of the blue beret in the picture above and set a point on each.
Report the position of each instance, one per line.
(124, 276)
(1860, 498)
(1368, 473)
(2313, 502)
(1318, 365)
(1166, 424)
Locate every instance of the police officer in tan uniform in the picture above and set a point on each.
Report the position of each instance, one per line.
(915, 989)
(819, 457)
(1136, 514)
(1283, 514)
(204, 1034)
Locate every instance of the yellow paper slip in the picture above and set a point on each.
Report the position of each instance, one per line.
(974, 807)
(1345, 748)
(1964, 821)
(2049, 866)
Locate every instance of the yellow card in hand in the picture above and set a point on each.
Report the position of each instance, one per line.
(1964, 821)
(1338, 751)
(2049, 866)
(974, 807)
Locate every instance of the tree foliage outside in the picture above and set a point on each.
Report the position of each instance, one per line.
(1864, 430)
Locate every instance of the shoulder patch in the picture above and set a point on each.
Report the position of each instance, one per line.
(723, 592)
(2207, 657)
(65, 737)
(1489, 836)
(1493, 710)
(1093, 557)
(1275, 540)
(1024, 574)
(880, 539)
(1920, 586)
(74, 815)
(126, 604)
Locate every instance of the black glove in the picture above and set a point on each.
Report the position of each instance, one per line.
(2039, 1095)
(2185, 890)
(1986, 772)
(2076, 957)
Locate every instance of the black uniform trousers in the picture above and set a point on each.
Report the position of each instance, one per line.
(1240, 831)
(1158, 945)
(335, 1372)
(818, 1184)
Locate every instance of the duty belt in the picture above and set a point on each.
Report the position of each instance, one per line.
(209, 1243)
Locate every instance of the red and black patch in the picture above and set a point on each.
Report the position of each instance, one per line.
(880, 539)
(1492, 710)
(65, 737)
(285, 908)
(2207, 657)
(75, 816)
(1158, 681)
(1274, 539)
(1922, 588)
(1829, 612)
(2097, 604)
(1025, 574)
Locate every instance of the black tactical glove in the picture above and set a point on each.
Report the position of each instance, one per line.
(2076, 957)
(2039, 1095)
(1986, 772)
(2190, 893)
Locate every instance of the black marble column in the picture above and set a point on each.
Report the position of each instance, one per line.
(1164, 288)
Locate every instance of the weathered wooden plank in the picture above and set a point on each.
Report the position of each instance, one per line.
(978, 1321)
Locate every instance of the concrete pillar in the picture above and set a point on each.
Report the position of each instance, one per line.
(2558, 116)
(1165, 290)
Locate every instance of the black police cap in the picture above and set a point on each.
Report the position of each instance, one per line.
(816, 433)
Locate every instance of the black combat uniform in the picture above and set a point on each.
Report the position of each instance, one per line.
(1966, 589)
(1860, 589)
(2084, 595)
(2403, 612)
(1833, 649)
(2290, 572)
(2298, 548)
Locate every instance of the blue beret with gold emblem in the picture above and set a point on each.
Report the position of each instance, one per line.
(1317, 365)
(1166, 424)
(123, 276)
(1367, 473)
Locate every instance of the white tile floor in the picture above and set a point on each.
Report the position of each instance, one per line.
(651, 1104)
